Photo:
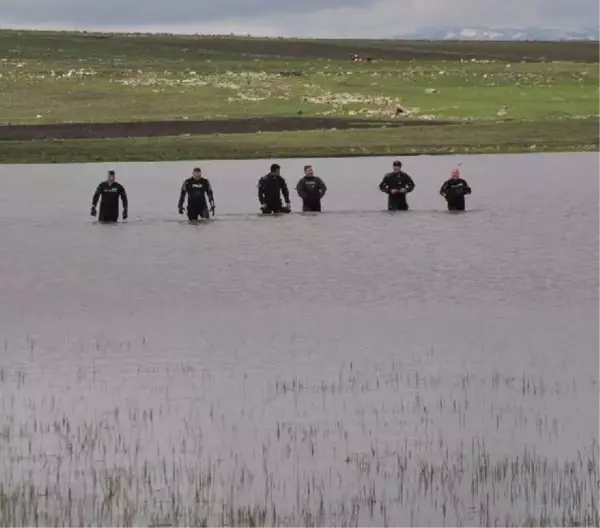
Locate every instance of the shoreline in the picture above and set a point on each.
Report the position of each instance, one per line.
(311, 144)
(417, 139)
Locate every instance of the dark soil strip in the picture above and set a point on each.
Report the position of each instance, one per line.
(176, 128)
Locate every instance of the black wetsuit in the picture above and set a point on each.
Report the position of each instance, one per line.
(311, 190)
(454, 190)
(197, 191)
(270, 189)
(397, 180)
(109, 204)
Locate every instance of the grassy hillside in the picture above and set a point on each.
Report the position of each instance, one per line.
(64, 78)
(141, 47)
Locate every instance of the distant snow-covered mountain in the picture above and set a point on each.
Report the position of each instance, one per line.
(488, 33)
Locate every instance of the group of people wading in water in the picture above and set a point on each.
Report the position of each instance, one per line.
(271, 189)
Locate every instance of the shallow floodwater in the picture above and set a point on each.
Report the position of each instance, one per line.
(349, 367)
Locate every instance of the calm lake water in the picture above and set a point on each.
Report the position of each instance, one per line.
(349, 367)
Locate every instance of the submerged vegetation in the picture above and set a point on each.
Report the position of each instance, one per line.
(400, 443)
(66, 78)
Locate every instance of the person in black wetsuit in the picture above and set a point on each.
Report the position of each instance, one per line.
(311, 190)
(454, 191)
(270, 189)
(197, 188)
(110, 191)
(397, 184)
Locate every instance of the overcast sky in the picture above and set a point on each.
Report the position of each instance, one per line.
(319, 18)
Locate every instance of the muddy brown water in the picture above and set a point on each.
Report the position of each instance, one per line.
(302, 361)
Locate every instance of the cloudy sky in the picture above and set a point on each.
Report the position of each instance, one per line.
(319, 18)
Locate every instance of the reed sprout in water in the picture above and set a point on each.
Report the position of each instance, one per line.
(384, 446)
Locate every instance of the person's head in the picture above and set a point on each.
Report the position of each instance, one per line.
(455, 174)
(397, 166)
(111, 176)
(275, 169)
(308, 171)
(197, 173)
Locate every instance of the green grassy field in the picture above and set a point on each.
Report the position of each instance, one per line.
(62, 78)
(468, 139)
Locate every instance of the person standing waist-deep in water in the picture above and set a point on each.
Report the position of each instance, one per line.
(397, 184)
(311, 190)
(109, 192)
(270, 189)
(198, 189)
(454, 191)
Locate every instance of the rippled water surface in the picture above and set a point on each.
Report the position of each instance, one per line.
(349, 367)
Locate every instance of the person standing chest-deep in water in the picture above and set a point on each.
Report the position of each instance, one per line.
(198, 189)
(109, 192)
(311, 190)
(271, 188)
(397, 184)
(454, 191)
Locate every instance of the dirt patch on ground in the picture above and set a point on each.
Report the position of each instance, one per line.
(177, 128)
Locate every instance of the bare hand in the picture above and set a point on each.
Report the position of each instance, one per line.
(402, 190)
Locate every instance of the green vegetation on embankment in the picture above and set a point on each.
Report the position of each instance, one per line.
(206, 97)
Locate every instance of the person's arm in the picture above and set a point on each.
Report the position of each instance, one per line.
(409, 184)
(124, 198)
(444, 189)
(322, 187)
(96, 196)
(261, 191)
(301, 188)
(182, 196)
(285, 191)
(209, 193)
(384, 186)
(95, 199)
(466, 188)
(211, 198)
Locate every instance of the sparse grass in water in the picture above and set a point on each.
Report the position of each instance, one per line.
(389, 446)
